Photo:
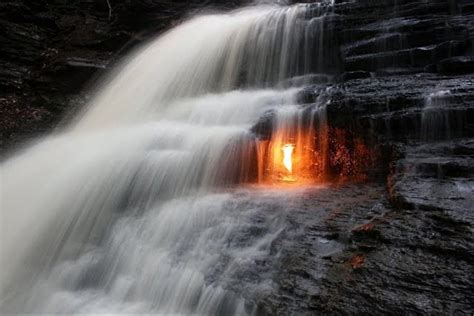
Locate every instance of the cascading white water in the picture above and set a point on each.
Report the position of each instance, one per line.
(122, 212)
(253, 48)
(435, 117)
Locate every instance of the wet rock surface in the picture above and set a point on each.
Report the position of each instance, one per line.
(314, 243)
(396, 108)
(404, 36)
(417, 265)
(346, 250)
(405, 84)
(437, 177)
(52, 50)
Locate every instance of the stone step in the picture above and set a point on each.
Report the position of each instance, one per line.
(441, 166)
(407, 58)
(399, 107)
(456, 65)
(393, 41)
(415, 124)
(374, 10)
(466, 8)
(437, 176)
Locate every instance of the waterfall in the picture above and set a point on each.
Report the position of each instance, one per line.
(131, 208)
(303, 128)
(440, 120)
(257, 47)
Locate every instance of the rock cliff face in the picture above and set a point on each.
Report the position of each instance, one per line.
(50, 50)
(407, 81)
(403, 79)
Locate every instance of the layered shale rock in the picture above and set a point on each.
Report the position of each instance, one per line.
(405, 84)
(52, 50)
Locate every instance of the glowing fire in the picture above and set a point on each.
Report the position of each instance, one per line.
(288, 157)
(300, 155)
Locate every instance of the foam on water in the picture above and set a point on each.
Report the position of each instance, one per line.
(120, 213)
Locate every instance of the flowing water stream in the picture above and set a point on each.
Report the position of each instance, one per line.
(133, 208)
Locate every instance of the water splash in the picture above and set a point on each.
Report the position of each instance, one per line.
(435, 116)
(305, 128)
(119, 213)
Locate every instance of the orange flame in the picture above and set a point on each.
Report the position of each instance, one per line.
(306, 155)
(288, 157)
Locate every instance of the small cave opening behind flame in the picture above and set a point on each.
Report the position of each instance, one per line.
(298, 147)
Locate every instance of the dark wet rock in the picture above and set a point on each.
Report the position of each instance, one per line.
(430, 68)
(51, 50)
(366, 231)
(392, 108)
(312, 245)
(264, 126)
(407, 272)
(407, 83)
(437, 176)
(411, 58)
(308, 79)
(402, 34)
(381, 261)
(350, 75)
(309, 95)
(466, 8)
(70, 75)
(456, 65)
